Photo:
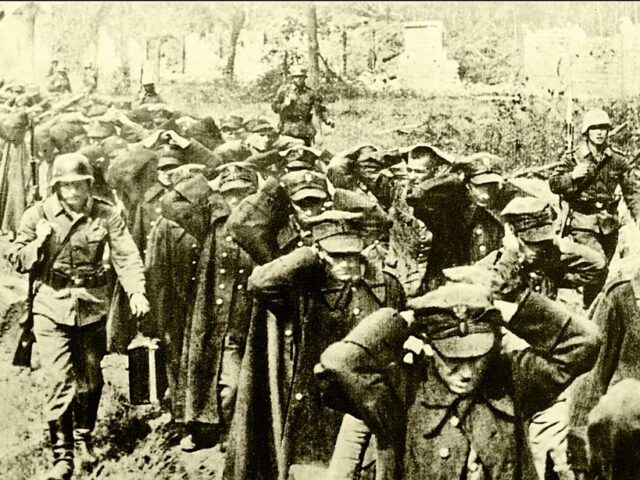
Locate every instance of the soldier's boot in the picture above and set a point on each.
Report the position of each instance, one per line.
(85, 413)
(84, 453)
(61, 432)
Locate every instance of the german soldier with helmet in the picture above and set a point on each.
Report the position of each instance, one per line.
(587, 180)
(62, 243)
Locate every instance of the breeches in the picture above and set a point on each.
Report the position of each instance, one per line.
(604, 245)
(70, 358)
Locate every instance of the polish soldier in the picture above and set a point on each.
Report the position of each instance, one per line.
(215, 335)
(549, 262)
(231, 128)
(61, 243)
(456, 206)
(334, 287)
(296, 103)
(434, 387)
(587, 181)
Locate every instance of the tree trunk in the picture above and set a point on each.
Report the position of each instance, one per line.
(28, 14)
(344, 51)
(237, 22)
(312, 39)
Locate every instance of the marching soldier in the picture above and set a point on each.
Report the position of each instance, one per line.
(549, 262)
(616, 313)
(214, 337)
(61, 243)
(434, 387)
(587, 181)
(456, 207)
(296, 103)
(335, 287)
(89, 78)
(149, 94)
(59, 81)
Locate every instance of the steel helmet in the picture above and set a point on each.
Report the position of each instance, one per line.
(595, 117)
(70, 167)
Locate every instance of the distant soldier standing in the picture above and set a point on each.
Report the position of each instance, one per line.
(587, 180)
(89, 78)
(61, 243)
(295, 102)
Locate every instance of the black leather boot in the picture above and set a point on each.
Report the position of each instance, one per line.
(85, 414)
(61, 433)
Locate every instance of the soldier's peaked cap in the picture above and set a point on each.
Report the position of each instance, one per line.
(301, 184)
(482, 168)
(258, 125)
(429, 151)
(236, 175)
(337, 231)
(532, 218)
(458, 319)
(231, 122)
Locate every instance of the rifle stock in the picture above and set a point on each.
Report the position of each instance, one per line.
(22, 355)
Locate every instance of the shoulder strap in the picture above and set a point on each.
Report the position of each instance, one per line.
(589, 181)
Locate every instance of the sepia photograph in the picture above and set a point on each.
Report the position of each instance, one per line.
(298, 240)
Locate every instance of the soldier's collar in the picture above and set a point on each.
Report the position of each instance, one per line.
(58, 207)
(583, 150)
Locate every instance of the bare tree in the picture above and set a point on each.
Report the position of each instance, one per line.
(312, 39)
(28, 14)
(238, 16)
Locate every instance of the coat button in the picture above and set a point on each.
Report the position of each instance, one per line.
(478, 231)
(299, 396)
(193, 262)
(225, 254)
(221, 286)
(482, 248)
(454, 421)
(219, 301)
(223, 271)
(537, 288)
(288, 332)
(444, 452)
(193, 279)
(194, 245)
(241, 270)
(229, 239)
(240, 287)
(356, 311)
(300, 244)
(158, 210)
(473, 466)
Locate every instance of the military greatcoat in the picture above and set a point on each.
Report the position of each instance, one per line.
(328, 309)
(222, 305)
(426, 431)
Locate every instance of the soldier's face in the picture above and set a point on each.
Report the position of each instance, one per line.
(345, 266)
(598, 134)
(462, 375)
(308, 207)
(484, 192)
(75, 194)
(419, 169)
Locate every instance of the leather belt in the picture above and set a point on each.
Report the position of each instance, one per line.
(59, 280)
(592, 208)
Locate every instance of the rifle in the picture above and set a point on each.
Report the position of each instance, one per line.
(22, 355)
(35, 165)
(565, 209)
(59, 107)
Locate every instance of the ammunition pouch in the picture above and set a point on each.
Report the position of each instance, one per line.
(58, 280)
